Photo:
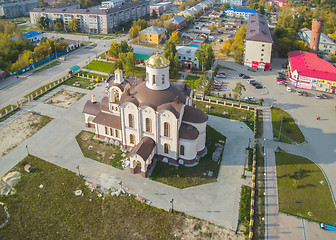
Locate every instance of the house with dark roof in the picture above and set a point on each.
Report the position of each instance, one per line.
(153, 34)
(258, 42)
(178, 21)
(150, 118)
(308, 71)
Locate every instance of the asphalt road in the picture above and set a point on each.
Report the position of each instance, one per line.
(13, 89)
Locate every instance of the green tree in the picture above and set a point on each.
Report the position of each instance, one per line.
(114, 50)
(129, 61)
(117, 64)
(203, 84)
(24, 60)
(154, 14)
(124, 47)
(58, 24)
(301, 45)
(238, 90)
(170, 53)
(73, 25)
(43, 23)
(205, 56)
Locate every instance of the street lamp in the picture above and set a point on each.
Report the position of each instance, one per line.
(79, 174)
(172, 203)
(49, 54)
(27, 150)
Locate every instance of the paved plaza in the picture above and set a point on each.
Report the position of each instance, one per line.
(216, 202)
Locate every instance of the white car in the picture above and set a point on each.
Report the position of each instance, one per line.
(289, 89)
(251, 99)
(217, 81)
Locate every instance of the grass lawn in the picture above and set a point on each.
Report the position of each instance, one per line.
(139, 72)
(99, 66)
(190, 80)
(92, 74)
(290, 131)
(8, 108)
(84, 82)
(55, 212)
(175, 78)
(231, 113)
(300, 189)
(10, 114)
(260, 124)
(245, 207)
(101, 151)
(182, 176)
(50, 65)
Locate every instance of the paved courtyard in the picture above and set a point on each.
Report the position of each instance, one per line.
(217, 202)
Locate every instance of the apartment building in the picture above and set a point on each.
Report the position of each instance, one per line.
(95, 20)
(326, 45)
(153, 34)
(18, 9)
(258, 42)
(233, 2)
(112, 4)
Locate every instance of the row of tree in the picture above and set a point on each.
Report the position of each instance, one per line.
(58, 25)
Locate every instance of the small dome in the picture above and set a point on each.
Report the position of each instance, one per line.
(157, 60)
(118, 70)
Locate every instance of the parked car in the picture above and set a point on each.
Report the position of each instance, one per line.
(299, 92)
(304, 94)
(251, 69)
(220, 75)
(258, 86)
(241, 74)
(246, 77)
(250, 81)
(218, 81)
(251, 99)
(288, 89)
(321, 96)
(216, 86)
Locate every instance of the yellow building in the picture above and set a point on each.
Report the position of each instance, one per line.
(153, 34)
(179, 2)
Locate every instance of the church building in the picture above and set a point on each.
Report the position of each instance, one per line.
(151, 118)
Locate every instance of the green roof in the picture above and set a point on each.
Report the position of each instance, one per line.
(75, 68)
(141, 56)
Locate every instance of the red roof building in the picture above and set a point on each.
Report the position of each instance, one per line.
(309, 71)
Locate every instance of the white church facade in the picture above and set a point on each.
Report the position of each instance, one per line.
(150, 118)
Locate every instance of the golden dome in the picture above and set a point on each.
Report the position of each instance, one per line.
(118, 70)
(157, 60)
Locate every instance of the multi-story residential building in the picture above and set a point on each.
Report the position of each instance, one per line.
(239, 12)
(95, 20)
(258, 42)
(233, 2)
(153, 34)
(112, 4)
(68, 5)
(18, 9)
(326, 45)
(160, 7)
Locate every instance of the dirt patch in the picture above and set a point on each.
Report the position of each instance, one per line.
(200, 229)
(64, 98)
(19, 130)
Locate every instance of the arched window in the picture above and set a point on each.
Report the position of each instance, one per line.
(153, 79)
(130, 120)
(163, 79)
(181, 150)
(148, 125)
(132, 138)
(147, 76)
(166, 148)
(166, 129)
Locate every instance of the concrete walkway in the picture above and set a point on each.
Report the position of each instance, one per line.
(217, 202)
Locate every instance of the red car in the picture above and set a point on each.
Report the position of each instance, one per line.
(220, 74)
(216, 86)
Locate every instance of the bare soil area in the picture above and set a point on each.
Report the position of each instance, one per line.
(64, 98)
(19, 130)
(200, 229)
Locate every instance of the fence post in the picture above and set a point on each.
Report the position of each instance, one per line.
(11, 107)
(6, 111)
(20, 103)
(32, 97)
(224, 103)
(217, 101)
